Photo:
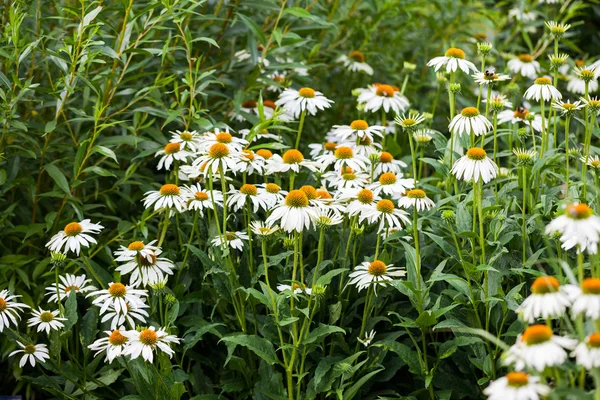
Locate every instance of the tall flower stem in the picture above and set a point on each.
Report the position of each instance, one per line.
(544, 128)
(191, 239)
(417, 246)
(567, 122)
(366, 313)
(524, 221)
(413, 155)
(300, 127)
(495, 127)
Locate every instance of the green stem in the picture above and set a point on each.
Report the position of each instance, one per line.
(524, 221)
(300, 127)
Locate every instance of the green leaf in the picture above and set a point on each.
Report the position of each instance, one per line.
(89, 327)
(322, 331)
(297, 12)
(58, 177)
(105, 151)
(259, 346)
(353, 390)
(71, 310)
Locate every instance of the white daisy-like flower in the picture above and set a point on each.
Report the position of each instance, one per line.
(517, 386)
(592, 104)
(475, 165)
(343, 156)
(452, 60)
(521, 114)
(358, 200)
(121, 297)
(326, 217)
(138, 314)
(355, 62)
(579, 227)
(297, 289)
(469, 121)
(251, 163)
(294, 213)
(31, 353)
(368, 339)
(546, 301)
(592, 161)
(538, 348)
(392, 185)
(251, 107)
(67, 284)
(146, 270)
(525, 65)
(248, 193)
(273, 193)
(364, 147)
(113, 344)
(416, 198)
(567, 108)
(135, 249)
(292, 160)
(498, 102)
(303, 100)
(46, 320)
(542, 88)
(220, 157)
(409, 123)
(144, 343)
(318, 149)
(261, 229)
(489, 77)
(278, 78)
(9, 309)
(358, 129)
(346, 179)
(189, 141)
(198, 199)
(73, 236)
(263, 134)
(231, 239)
(585, 299)
(423, 136)
(169, 196)
(243, 55)
(587, 353)
(234, 144)
(387, 163)
(577, 85)
(521, 15)
(378, 95)
(374, 273)
(171, 153)
(388, 216)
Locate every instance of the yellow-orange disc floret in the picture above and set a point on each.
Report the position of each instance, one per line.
(387, 178)
(517, 379)
(218, 150)
(306, 92)
(292, 157)
(476, 153)
(343, 153)
(172, 148)
(169, 190)
(386, 157)
(594, 340)
(136, 246)
(591, 286)
(365, 196)
(415, 194)
(264, 153)
(385, 206)
(296, 199)
(455, 53)
(73, 229)
(116, 338)
(469, 112)
(357, 56)
(249, 190)
(377, 268)
(117, 290)
(359, 125)
(526, 58)
(201, 196)
(578, 211)
(385, 91)
(545, 284)
(148, 337)
(536, 334)
(330, 146)
(272, 188)
(543, 81)
(310, 191)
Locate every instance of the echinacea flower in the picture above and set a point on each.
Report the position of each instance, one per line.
(567, 108)
(387, 163)
(546, 301)
(146, 342)
(248, 194)
(379, 96)
(521, 114)
(343, 156)
(542, 88)
(198, 199)
(585, 298)
(469, 121)
(326, 217)
(587, 353)
(592, 161)
(489, 77)
(355, 62)
(368, 339)
(119, 296)
(291, 160)
(68, 283)
(358, 129)
(453, 59)
(517, 386)
(138, 314)
(346, 179)
(359, 200)
(187, 140)
(409, 123)
(262, 230)
(392, 185)
(233, 143)
(169, 197)
(146, 270)
(172, 152)
(295, 288)
(293, 214)
(416, 198)
(475, 165)
(46, 320)
(219, 158)
(388, 216)
(303, 100)
(498, 103)
(537, 347)
(113, 344)
(374, 273)
(231, 239)
(9, 309)
(73, 236)
(579, 227)
(31, 353)
(525, 65)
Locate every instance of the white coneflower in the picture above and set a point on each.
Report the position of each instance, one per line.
(592, 161)
(524, 156)
(387, 163)
(585, 298)
(355, 62)
(517, 386)
(295, 288)
(187, 140)
(453, 59)
(291, 160)
(525, 65)
(475, 165)
(343, 156)
(278, 79)
(521, 114)
(233, 143)
(583, 75)
(347, 178)
(146, 270)
(113, 344)
(251, 163)
(46, 320)
(416, 198)
(538, 348)
(498, 103)
(469, 121)
(364, 147)
(409, 123)
(358, 129)
(144, 343)
(546, 301)
(557, 29)
(386, 214)
(379, 96)
(119, 296)
(198, 199)
(171, 153)
(567, 108)
(392, 185)
(248, 194)
(261, 229)
(232, 239)
(134, 249)
(272, 193)
(578, 226)
(31, 352)
(489, 77)
(358, 200)
(368, 339)
(262, 134)
(73, 236)
(169, 196)
(592, 104)
(9, 309)
(521, 15)
(67, 284)
(219, 158)
(243, 55)
(294, 213)
(303, 100)
(326, 217)
(318, 149)
(423, 136)
(542, 88)
(587, 353)
(374, 273)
